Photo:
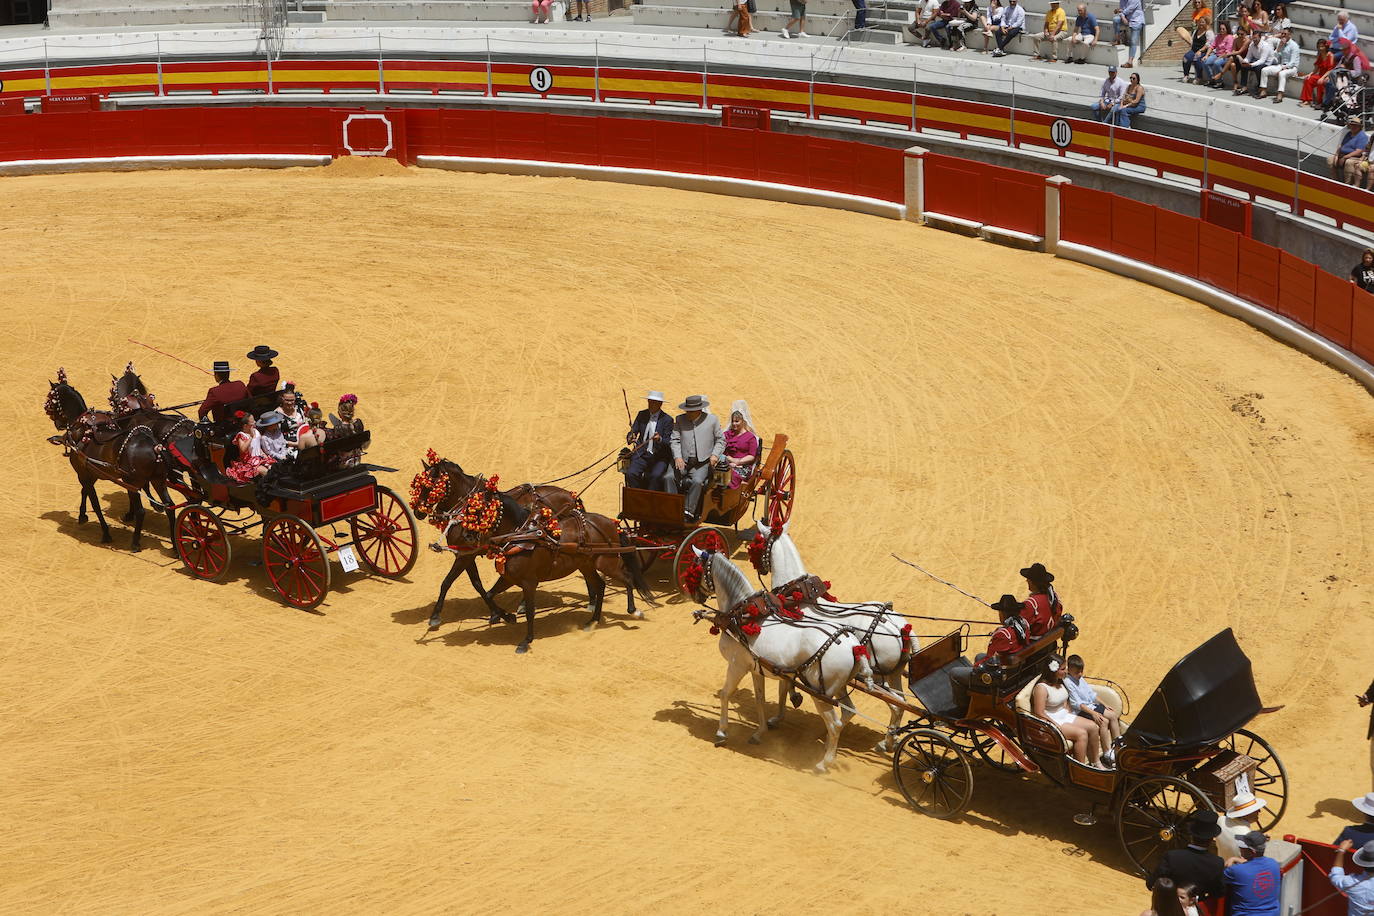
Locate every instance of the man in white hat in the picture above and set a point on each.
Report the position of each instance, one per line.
(1359, 834)
(697, 443)
(1056, 30)
(1240, 819)
(1358, 889)
(649, 441)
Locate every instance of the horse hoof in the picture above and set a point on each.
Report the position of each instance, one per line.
(774, 722)
(135, 548)
(820, 769)
(433, 625)
(508, 618)
(720, 741)
(522, 648)
(494, 619)
(588, 626)
(755, 739)
(82, 519)
(105, 539)
(637, 615)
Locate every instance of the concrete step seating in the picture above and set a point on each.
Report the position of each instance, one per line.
(769, 21)
(439, 10)
(121, 13)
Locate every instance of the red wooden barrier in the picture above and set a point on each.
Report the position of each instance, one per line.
(1297, 288)
(955, 187)
(1227, 212)
(1319, 898)
(1176, 242)
(1332, 300)
(88, 101)
(1362, 323)
(1085, 215)
(1258, 273)
(1218, 256)
(1133, 229)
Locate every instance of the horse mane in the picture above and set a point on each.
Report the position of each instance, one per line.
(731, 579)
(71, 402)
(517, 513)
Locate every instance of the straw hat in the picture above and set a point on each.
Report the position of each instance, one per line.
(1244, 804)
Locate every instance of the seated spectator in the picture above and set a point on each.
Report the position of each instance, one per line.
(1188, 899)
(919, 30)
(1258, 55)
(1056, 30)
(1358, 889)
(1132, 104)
(1217, 55)
(1200, 12)
(313, 433)
(1164, 900)
(1194, 866)
(1278, 20)
(1238, 50)
(1050, 701)
(541, 10)
(1013, 23)
(1085, 34)
(1351, 65)
(1200, 43)
(1253, 16)
(1343, 30)
(1085, 703)
(247, 465)
(1359, 834)
(959, 26)
(1113, 88)
(1345, 164)
(1286, 58)
(992, 22)
(949, 11)
(1314, 84)
(269, 442)
(1362, 274)
(1252, 879)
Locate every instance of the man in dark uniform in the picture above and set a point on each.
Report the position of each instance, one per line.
(225, 392)
(1195, 864)
(265, 379)
(649, 438)
(1364, 700)
(1359, 834)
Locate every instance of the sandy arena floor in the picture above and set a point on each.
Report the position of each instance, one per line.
(174, 746)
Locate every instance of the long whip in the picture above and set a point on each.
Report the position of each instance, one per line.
(170, 356)
(941, 581)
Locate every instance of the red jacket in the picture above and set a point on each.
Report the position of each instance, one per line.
(218, 399)
(264, 381)
(1041, 615)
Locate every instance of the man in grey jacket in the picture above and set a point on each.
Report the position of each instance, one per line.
(697, 442)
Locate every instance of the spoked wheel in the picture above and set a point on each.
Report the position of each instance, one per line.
(782, 490)
(994, 755)
(296, 562)
(387, 536)
(1150, 816)
(202, 543)
(933, 774)
(1268, 781)
(647, 558)
(701, 539)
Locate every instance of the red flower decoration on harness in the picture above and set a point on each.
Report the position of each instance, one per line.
(860, 652)
(750, 629)
(756, 548)
(427, 492)
(715, 631)
(481, 513)
(691, 578)
(492, 481)
(549, 523)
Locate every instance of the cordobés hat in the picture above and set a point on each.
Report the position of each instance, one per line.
(222, 365)
(271, 418)
(655, 396)
(1037, 572)
(262, 351)
(1365, 804)
(1364, 856)
(694, 402)
(1203, 825)
(1008, 604)
(1245, 803)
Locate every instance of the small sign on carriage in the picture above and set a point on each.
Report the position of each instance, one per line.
(348, 560)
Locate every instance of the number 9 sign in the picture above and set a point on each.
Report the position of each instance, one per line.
(541, 80)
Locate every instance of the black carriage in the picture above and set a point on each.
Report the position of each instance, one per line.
(320, 503)
(1187, 748)
(654, 519)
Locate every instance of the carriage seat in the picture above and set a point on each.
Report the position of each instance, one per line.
(935, 692)
(1044, 734)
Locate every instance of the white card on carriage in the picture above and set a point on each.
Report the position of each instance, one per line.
(347, 559)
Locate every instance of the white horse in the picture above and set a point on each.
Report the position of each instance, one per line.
(887, 635)
(822, 655)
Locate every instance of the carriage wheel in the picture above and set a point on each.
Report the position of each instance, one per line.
(994, 755)
(701, 539)
(647, 558)
(202, 543)
(1150, 816)
(933, 774)
(782, 490)
(387, 536)
(296, 562)
(1268, 781)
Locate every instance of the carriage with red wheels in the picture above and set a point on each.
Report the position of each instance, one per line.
(317, 505)
(654, 519)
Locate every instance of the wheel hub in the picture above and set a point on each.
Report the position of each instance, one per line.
(1166, 834)
(928, 777)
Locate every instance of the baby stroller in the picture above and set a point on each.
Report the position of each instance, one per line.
(1347, 97)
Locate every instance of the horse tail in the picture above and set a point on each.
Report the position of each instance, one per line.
(634, 571)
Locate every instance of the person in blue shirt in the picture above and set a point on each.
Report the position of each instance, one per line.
(1359, 834)
(1252, 879)
(1345, 164)
(1344, 28)
(1084, 35)
(1358, 889)
(1131, 15)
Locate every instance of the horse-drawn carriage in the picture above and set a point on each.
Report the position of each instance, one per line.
(655, 519)
(1187, 749)
(318, 503)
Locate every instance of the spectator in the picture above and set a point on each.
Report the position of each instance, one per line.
(1314, 85)
(1238, 50)
(992, 22)
(1344, 29)
(1056, 30)
(1217, 55)
(1345, 166)
(1133, 14)
(1350, 64)
(1199, 45)
(1362, 274)
(741, 19)
(1252, 879)
(1278, 20)
(1194, 866)
(949, 11)
(920, 26)
(959, 26)
(583, 9)
(798, 17)
(1132, 104)
(1253, 17)
(1113, 88)
(1258, 55)
(1359, 891)
(1013, 23)
(540, 10)
(1085, 32)
(1187, 896)
(1365, 699)
(860, 14)
(1164, 900)
(1200, 12)
(1286, 58)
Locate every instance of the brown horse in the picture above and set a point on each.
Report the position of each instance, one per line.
(101, 447)
(538, 534)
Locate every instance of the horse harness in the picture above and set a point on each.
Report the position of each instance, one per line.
(810, 589)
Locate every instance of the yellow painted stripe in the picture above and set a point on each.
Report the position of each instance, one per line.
(365, 75)
(37, 85)
(214, 77)
(100, 81)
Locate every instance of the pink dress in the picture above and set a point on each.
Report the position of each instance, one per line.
(737, 445)
(246, 467)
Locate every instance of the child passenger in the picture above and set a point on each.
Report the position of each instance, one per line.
(1083, 697)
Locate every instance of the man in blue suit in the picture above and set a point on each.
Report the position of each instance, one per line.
(649, 435)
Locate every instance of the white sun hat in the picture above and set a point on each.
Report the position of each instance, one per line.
(1365, 804)
(1244, 804)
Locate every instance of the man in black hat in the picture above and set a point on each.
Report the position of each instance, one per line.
(697, 442)
(225, 392)
(1195, 864)
(265, 379)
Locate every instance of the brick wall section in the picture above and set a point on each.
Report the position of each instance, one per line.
(1168, 47)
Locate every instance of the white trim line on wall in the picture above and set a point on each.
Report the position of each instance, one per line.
(131, 163)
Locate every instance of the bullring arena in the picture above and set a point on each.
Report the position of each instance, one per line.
(177, 745)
